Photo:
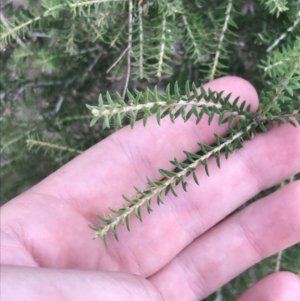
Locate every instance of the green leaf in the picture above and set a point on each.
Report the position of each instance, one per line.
(232, 23)
(149, 208)
(159, 198)
(155, 183)
(128, 199)
(91, 108)
(138, 213)
(109, 99)
(120, 100)
(184, 185)
(118, 120)
(221, 117)
(105, 123)
(145, 118)
(227, 151)
(94, 120)
(138, 190)
(242, 105)
(205, 163)
(167, 174)
(158, 115)
(173, 190)
(230, 120)
(262, 127)
(133, 115)
(100, 100)
(176, 89)
(114, 229)
(168, 93)
(131, 97)
(104, 238)
(155, 94)
(93, 227)
(195, 177)
(187, 89)
(217, 155)
(103, 219)
(127, 221)
(199, 117)
(205, 148)
(289, 90)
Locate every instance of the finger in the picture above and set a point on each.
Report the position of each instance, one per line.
(254, 233)
(280, 286)
(112, 167)
(30, 284)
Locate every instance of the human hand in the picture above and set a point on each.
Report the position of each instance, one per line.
(185, 249)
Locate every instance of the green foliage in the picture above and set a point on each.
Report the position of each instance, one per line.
(152, 102)
(275, 6)
(142, 58)
(201, 103)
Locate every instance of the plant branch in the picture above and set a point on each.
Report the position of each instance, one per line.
(130, 24)
(290, 29)
(225, 26)
(285, 83)
(49, 11)
(147, 195)
(162, 46)
(192, 38)
(32, 142)
(141, 42)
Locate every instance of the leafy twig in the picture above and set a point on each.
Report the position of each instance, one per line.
(222, 35)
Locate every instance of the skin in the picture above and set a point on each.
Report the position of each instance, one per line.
(184, 250)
